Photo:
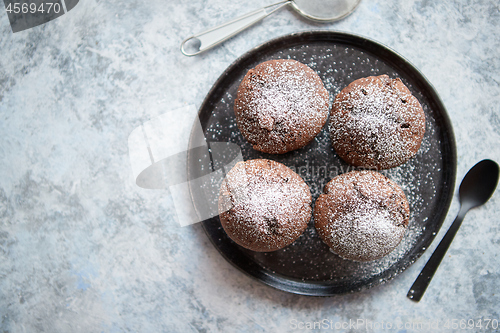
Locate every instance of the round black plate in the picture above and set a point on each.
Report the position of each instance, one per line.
(308, 266)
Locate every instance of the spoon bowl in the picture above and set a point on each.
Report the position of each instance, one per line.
(478, 184)
(476, 188)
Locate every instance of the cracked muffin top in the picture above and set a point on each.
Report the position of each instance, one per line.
(264, 205)
(362, 215)
(376, 122)
(281, 105)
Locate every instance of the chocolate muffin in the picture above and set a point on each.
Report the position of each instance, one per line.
(376, 123)
(264, 205)
(281, 105)
(362, 215)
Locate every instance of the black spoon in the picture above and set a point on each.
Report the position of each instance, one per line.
(476, 188)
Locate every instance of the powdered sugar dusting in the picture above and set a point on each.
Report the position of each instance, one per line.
(281, 105)
(376, 122)
(263, 205)
(362, 215)
(370, 232)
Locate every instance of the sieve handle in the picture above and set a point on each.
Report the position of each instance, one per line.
(206, 40)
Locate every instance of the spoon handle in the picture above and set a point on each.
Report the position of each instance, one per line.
(209, 38)
(418, 288)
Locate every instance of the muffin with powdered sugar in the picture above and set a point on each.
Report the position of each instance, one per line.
(362, 215)
(281, 105)
(264, 205)
(376, 123)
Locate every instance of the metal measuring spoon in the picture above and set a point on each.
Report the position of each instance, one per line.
(476, 188)
(317, 10)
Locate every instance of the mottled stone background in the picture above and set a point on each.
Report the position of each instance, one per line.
(83, 249)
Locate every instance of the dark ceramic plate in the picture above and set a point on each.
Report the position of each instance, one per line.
(308, 266)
